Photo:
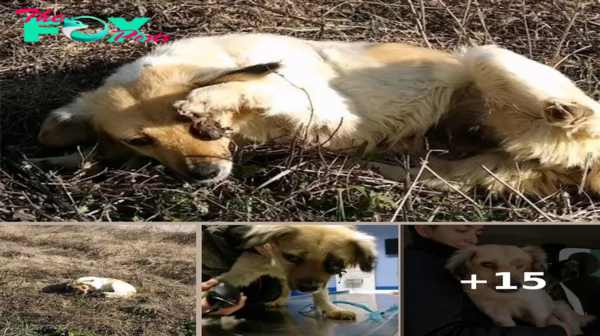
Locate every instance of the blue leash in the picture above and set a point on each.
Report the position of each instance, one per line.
(374, 316)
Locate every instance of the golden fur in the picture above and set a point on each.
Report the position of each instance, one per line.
(502, 305)
(184, 102)
(304, 258)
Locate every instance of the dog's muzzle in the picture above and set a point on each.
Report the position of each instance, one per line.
(208, 172)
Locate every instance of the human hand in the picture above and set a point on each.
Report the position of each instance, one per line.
(206, 286)
(552, 320)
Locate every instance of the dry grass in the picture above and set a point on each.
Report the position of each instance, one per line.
(161, 265)
(322, 187)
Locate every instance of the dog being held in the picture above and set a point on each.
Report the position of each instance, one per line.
(304, 258)
(107, 287)
(184, 102)
(502, 305)
(566, 270)
(562, 271)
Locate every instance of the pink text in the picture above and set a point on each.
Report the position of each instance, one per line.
(139, 38)
(45, 16)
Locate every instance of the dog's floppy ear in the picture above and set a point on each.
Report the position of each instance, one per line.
(245, 74)
(459, 263)
(365, 252)
(260, 235)
(538, 258)
(111, 149)
(68, 125)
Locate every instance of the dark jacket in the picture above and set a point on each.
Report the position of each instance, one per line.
(436, 305)
(221, 246)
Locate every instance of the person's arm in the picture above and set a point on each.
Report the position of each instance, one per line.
(433, 305)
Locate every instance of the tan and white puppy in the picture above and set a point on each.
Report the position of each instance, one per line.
(107, 287)
(184, 102)
(304, 258)
(502, 305)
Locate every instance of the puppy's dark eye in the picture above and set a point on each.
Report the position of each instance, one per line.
(487, 264)
(291, 258)
(337, 263)
(140, 141)
(335, 267)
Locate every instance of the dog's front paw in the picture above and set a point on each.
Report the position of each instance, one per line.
(277, 303)
(341, 314)
(185, 109)
(209, 100)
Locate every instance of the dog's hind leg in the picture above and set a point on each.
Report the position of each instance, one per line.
(322, 300)
(506, 77)
(388, 171)
(112, 295)
(502, 175)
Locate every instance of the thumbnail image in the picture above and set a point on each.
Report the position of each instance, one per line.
(300, 280)
(501, 280)
(118, 280)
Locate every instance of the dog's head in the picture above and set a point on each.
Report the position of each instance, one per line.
(566, 270)
(486, 261)
(311, 254)
(79, 288)
(140, 116)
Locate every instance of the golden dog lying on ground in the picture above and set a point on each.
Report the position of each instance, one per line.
(105, 286)
(502, 305)
(304, 258)
(184, 103)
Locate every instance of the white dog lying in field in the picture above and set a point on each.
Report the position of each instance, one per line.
(502, 305)
(185, 101)
(106, 286)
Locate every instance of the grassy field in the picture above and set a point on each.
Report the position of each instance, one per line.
(161, 265)
(37, 77)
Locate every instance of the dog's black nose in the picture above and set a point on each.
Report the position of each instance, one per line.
(308, 286)
(204, 171)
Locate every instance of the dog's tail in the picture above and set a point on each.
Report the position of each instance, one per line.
(563, 311)
(245, 74)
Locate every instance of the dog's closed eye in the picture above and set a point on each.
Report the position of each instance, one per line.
(140, 141)
(292, 258)
(488, 264)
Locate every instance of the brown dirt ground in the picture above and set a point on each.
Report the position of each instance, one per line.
(161, 265)
(37, 77)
